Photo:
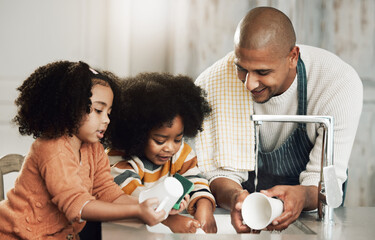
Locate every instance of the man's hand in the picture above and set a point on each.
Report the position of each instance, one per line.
(230, 195)
(295, 198)
(235, 212)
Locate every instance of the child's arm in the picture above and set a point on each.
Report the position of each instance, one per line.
(123, 206)
(189, 169)
(181, 224)
(202, 202)
(126, 199)
(97, 210)
(205, 215)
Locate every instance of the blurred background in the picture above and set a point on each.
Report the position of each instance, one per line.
(178, 36)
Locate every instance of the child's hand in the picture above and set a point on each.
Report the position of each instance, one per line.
(204, 214)
(183, 205)
(147, 212)
(182, 224)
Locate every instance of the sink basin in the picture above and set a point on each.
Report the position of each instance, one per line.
(224, 226)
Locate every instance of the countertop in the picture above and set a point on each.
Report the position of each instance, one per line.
(349, 223)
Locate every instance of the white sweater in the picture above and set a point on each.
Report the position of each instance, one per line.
(333, 88)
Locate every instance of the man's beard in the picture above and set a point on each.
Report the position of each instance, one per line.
(261, 102)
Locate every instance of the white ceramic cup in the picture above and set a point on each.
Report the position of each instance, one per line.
(258, 210)
(167, 192)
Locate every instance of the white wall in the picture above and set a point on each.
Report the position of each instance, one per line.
(179, 36)
(120, 36)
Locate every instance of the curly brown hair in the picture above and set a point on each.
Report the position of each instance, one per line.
(55, 97)
(150, 100)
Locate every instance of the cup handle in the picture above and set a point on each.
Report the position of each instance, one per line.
(162, 204)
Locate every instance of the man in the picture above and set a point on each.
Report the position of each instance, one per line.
(282, 78)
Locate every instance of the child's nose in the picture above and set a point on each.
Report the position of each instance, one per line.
(106, 119)
(169, 147)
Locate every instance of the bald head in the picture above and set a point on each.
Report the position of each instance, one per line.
(265, 27)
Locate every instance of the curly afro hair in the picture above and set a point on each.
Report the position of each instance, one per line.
(55, 97)
(150, 100)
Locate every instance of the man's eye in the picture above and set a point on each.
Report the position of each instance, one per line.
(263, 72)
(240, 69)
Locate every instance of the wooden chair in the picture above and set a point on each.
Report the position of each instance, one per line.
(9, 163)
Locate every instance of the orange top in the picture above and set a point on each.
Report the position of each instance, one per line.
(52, 188)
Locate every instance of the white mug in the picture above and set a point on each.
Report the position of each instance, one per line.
(167, 192)
(258, 210)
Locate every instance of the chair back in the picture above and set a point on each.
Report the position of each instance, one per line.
(9, 163)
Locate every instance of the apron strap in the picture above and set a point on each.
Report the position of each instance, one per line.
(302, 89)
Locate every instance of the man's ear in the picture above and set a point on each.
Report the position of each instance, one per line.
(293, 57)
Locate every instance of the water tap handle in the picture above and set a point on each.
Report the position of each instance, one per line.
(332, 189)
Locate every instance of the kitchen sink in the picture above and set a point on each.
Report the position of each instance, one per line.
(224, 226)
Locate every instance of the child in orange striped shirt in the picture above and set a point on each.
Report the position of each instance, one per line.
(157, 111)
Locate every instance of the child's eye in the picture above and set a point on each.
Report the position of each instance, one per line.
(158, 142)
(178, 140)
(98, 111)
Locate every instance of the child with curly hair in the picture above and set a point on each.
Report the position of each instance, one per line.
(65, 178)
(157, 110)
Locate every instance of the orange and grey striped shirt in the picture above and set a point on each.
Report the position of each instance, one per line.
(136, 175)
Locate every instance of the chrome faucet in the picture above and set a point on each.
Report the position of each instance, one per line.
(329, 193)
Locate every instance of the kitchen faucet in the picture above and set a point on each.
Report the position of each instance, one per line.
(329, 193)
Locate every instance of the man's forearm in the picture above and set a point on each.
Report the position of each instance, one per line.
(225, 191)
(311, 197)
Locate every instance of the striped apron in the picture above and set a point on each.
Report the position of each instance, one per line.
(283, 166)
